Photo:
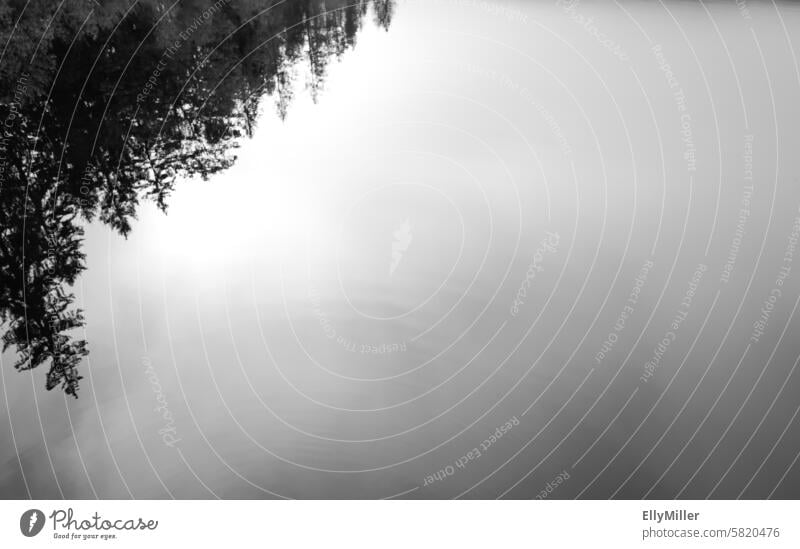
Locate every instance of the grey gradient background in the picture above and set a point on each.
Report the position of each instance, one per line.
(484, 126)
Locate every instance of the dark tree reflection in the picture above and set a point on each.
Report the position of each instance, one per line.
(104, 104)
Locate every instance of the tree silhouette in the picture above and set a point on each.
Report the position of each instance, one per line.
(104, 104)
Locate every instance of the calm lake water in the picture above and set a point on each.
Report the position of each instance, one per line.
(494, 213)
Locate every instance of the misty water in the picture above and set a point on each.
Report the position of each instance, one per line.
(438, 241)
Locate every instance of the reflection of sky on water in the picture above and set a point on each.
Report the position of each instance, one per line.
(294, 360)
